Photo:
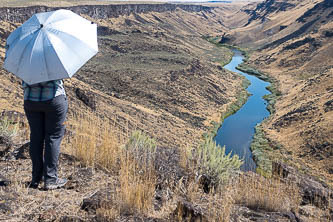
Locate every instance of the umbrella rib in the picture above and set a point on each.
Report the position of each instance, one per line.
(37, 38)
(25, 48)
(65, 33)
(10, 40)
(59, 19)
(45, 61)
(55, 52)
(54, 21)
(19, 37)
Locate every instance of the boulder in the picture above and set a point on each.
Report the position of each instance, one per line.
(22, 152)
(313, 192)
(242, 213)
(86, 97)
(71, 219)
(312, 213)
(100, 199)
(4, 182)
(186, 211)
(4, 147)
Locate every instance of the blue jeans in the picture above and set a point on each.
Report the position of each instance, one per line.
(46, 120)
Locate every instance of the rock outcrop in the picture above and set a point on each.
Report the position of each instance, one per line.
(21, 14)
(313, 192)
(87, 98)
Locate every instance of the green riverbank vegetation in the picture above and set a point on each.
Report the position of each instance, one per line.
(245, 67)
(273, 87)
(241, 99)
(242, 94)
(260, 145)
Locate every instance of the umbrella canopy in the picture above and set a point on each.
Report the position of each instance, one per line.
(50, 45)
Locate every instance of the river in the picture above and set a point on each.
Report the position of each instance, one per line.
(237, 130)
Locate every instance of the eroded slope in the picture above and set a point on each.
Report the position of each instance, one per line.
(154, 72)
(294, 39)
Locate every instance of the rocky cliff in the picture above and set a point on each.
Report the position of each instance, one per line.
(267, 7)
(21, 14)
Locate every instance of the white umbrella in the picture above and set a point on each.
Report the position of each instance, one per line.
(50, 45)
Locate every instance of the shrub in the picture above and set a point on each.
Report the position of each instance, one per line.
(141, 148)
(211, 162)
(7, 131)
(260, 147)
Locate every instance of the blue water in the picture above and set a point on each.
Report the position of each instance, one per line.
(237, 130)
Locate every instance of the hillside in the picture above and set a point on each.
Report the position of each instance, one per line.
(154, 71)
(274, 21)
(294, 42)
(157, 73)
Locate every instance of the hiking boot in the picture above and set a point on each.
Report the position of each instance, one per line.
(33, 184)
(55, 185)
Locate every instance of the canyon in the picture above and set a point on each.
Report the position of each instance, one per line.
(157, 73)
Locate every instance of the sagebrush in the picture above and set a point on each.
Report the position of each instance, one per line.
(8, 131)
(211, 161)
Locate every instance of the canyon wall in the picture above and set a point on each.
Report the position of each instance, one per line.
(21, 14)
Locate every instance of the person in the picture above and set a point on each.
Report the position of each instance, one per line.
(46, 106)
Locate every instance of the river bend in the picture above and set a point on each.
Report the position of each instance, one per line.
(237, 130)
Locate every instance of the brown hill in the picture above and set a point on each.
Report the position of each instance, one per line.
(294, 39)
(154, 70)
(274, 21)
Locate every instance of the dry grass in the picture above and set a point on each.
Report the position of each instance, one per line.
(95, 142)
(137, 187)
(137, 174)
(134, 163)
(216, 205)
(97, 145)
(246, 189)
(273, 195)
(134, 182)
